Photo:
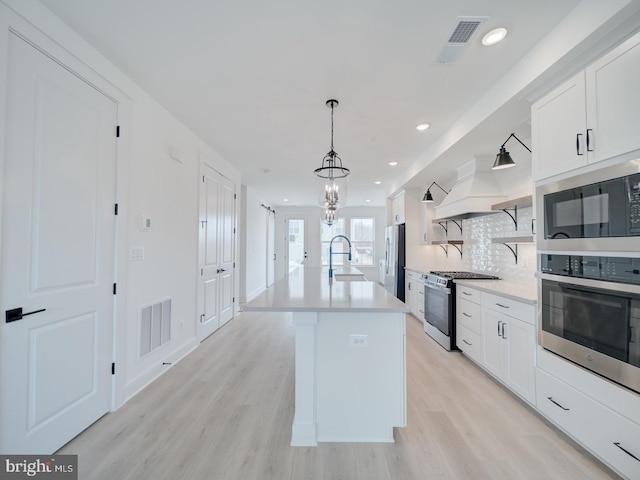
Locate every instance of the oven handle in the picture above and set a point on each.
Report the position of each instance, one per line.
(588, 282)
(446, 291)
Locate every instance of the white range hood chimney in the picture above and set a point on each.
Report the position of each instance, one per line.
(475, 190)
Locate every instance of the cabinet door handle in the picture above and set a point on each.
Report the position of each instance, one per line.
(617, 444)
(503, 334)
(467, 342)
(502, 306)
(466, 293)
(578, 135)
(424, 237)
(589, 131)
(557, 404)
(499, 324)
(466, 314)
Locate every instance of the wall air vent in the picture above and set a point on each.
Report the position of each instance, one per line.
(459, 37)
(155, 326)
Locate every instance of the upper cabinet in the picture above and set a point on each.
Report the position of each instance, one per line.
(592, 117)
(427, 232)
(398, 209)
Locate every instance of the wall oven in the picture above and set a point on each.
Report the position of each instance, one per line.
(590, 314)
(598, 210)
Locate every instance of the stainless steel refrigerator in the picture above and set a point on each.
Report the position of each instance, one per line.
(394, 260)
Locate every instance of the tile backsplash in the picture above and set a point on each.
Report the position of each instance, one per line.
(479, 254)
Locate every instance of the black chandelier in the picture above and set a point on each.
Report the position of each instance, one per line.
(332, 175)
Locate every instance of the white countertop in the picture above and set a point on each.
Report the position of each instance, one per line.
(307, 289)
(523, 291)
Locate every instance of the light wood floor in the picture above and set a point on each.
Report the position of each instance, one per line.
(225, 412)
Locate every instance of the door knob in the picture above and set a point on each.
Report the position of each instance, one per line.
(16, 314)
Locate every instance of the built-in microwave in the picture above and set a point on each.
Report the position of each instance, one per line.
(594, 323)
(598, 210)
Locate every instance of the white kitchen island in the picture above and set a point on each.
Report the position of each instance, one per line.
(350, 358)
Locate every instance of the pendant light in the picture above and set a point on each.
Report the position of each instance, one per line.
(332, 176)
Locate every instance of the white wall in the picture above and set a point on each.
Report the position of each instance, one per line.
(478, 253)
(313, 223)
(149, 182)
(253, 252)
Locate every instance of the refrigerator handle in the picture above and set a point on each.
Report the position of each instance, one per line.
(386, 256)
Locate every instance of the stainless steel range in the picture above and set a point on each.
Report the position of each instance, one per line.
(440, 304)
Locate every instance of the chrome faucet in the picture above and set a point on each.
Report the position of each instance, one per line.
(337, 253)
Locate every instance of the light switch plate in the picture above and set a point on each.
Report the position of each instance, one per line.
(137, 253)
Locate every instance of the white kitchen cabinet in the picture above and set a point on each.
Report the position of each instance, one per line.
(509, 343)
(427, 231)
(468, 323)
(398, 209)
(414, 290)
(608, 435)
(557, 121)
(590, 118)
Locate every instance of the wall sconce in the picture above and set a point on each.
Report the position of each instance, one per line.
(503, 159)
(428, 198)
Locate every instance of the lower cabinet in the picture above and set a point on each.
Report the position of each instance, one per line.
(414, 294)
(499, 334)
(607, 434)
(509, 351)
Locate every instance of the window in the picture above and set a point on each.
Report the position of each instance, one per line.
(362, 235)
(362, 238)
(326, 234)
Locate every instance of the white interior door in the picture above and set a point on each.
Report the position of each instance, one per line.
(58, 224)
(209, 252)
(271, 247)
(227, 247)
(296, 242)
(217, 251)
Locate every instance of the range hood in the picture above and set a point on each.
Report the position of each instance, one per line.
(475, 190)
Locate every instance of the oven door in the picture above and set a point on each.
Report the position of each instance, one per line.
(438, 308)
(593, 325)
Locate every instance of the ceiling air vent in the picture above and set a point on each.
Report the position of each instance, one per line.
(459, 37)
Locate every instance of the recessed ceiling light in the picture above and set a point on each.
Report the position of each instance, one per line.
(494, 36)
(393, 164)
(377, 182)
(368, 201)
(422, 126)
(285, 199)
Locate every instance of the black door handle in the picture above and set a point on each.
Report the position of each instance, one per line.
(16, 314)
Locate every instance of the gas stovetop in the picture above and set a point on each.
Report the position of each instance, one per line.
(466, 275)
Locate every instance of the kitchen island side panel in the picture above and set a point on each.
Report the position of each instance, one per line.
(360, 376)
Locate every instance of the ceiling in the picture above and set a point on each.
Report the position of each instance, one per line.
(251, 79)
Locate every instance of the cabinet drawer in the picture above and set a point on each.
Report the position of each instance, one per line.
(562, 404)
(469, 342)
(468, 314)
(611, 437)
(410, 274)
(508, 306)
(467, 293)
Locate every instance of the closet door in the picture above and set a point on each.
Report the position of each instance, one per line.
(216, 251)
